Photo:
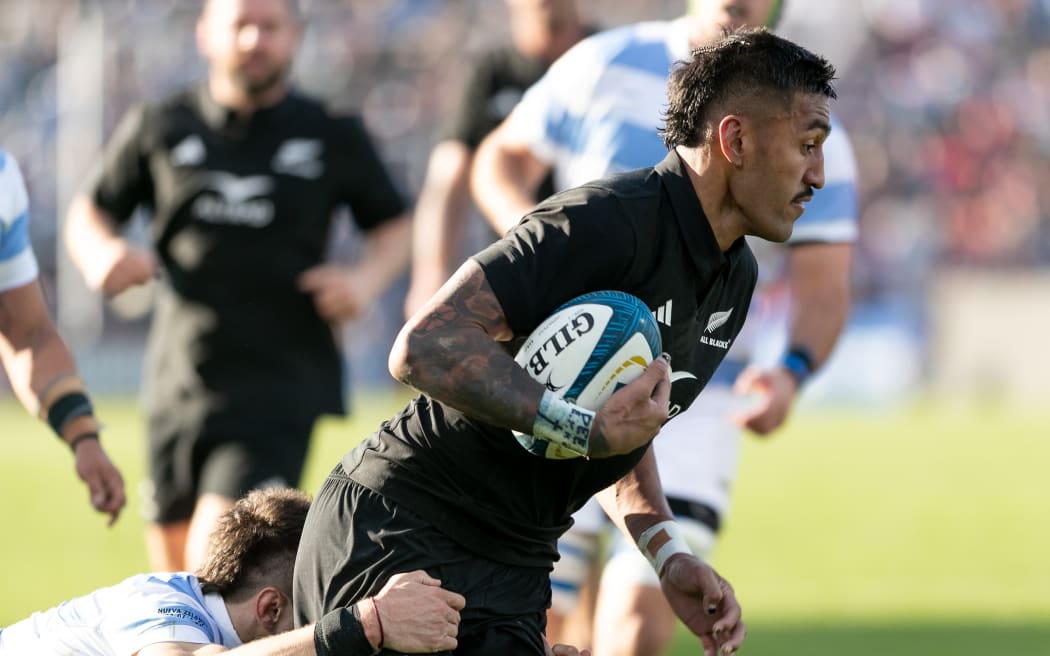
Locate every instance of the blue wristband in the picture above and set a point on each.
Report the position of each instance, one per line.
(799, 363)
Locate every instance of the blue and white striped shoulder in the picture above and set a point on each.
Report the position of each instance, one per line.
(17, 263)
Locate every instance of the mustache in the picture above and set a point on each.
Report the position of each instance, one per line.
(804, 196)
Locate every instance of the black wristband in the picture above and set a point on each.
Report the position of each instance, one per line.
(91, 435)
(799, 363)
(340, 633)
(66, 408)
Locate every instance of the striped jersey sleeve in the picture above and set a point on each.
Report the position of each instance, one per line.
(18, 264)
(597, 109)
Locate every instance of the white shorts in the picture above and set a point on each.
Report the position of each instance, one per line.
(696, 453)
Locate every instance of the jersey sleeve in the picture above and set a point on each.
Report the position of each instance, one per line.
(121, 180)
(469, 121)
(159, 611)
(574, 242)
(364, 183)
(832, 215)
(18, 265)
(543, 119)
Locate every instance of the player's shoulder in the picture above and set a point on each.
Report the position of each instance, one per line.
(839, 162)
(497, 57)
(144, 119)
(14, 201)
(625, 199)
(164, 583)
(332, 120)
(187, 99)
(612, 44)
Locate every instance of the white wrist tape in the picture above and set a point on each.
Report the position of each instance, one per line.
(661, 541)
(564, 424)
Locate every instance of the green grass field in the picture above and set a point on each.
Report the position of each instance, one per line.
(926, 531)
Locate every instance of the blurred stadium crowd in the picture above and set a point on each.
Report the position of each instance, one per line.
(947, 103)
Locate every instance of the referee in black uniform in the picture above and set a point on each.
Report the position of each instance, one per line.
(242, 176)
(541, 31)
(445, 486)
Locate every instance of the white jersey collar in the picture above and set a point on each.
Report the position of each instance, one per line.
(217, 609)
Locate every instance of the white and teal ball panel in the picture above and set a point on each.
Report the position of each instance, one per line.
(586, 350)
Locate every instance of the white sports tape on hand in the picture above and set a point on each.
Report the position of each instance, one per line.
(661, 541)
(563, 423)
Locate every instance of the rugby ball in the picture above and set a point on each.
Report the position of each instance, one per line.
(587, 349)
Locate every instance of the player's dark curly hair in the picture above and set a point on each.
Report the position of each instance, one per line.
(254, 544)
(745, 68)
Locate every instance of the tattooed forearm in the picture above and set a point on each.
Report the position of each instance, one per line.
(453, 354)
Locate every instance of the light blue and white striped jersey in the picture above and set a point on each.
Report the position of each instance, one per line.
(598, 108)
(17, 262)
(121, 620)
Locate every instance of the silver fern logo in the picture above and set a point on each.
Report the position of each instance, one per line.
(717, 320)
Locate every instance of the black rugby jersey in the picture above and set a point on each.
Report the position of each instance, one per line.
(494, 84)
(496, 81)
(239, 207)
(642, 232)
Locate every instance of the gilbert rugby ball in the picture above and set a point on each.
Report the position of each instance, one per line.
(587, 349)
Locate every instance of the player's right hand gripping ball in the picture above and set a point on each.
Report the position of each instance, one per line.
(587, 349)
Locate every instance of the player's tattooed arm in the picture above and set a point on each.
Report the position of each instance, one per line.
(451, 351)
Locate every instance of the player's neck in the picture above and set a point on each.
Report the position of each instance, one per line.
(712, 190)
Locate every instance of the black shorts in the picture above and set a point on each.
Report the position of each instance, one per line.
(355, 539)
(228, 458)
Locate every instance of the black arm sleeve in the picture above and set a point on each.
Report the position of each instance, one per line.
(365, 183)
(574, 242)
(121, 179)
(472, 119)
(339, 633)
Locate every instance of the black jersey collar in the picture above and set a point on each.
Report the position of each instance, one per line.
(696, 230)
(220, 117)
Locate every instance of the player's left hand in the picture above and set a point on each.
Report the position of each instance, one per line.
(705, 602)
(339, 293)
(775, 389)
(104, 482)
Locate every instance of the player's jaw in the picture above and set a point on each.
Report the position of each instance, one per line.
(258, 74)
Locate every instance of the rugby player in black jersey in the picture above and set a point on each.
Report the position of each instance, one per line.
(241, 176)
(444, 485)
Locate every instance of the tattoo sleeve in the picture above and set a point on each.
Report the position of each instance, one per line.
(453, 354)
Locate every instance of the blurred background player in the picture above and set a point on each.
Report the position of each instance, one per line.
(541, 30)
(596, 112)
(242, 176)
(241, 593)
(37, 361)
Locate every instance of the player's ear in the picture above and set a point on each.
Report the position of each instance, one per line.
(731, 139)
(271, 605)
